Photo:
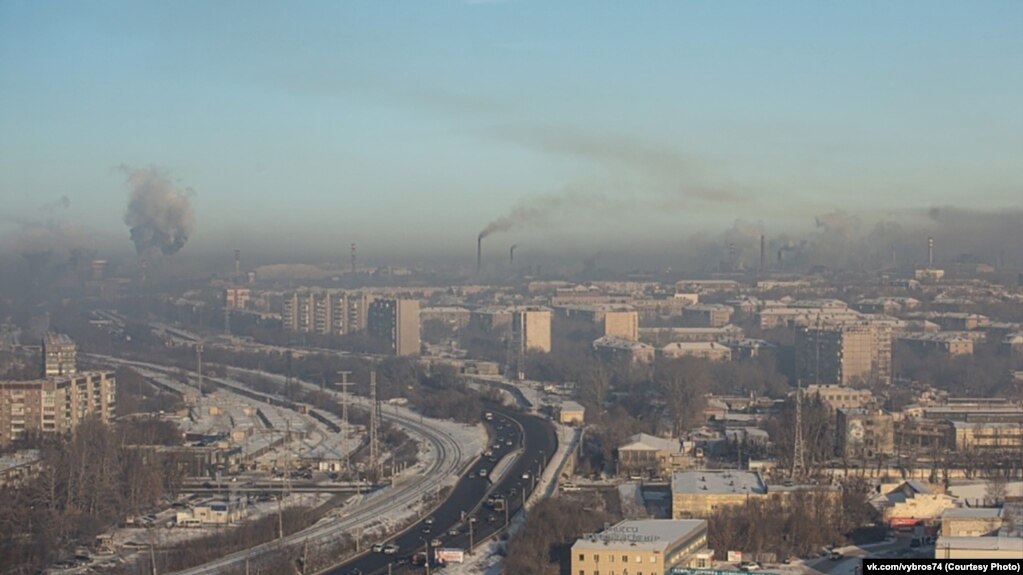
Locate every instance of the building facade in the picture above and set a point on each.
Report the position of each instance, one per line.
(643, 547)
(60, 355)
(843, 354)
(396, 321)
(326, 312)
(55, 405)
(531, 330)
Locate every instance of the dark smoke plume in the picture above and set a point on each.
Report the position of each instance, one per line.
(160, 216)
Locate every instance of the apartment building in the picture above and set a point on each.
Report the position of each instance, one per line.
(843, 354)
(396, 321)
(531, 329)
(326, 312)
(865, 433)
(707, 315)
(949, 343)
(55, 405)
(60, 355)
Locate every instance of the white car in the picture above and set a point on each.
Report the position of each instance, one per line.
(377, 548)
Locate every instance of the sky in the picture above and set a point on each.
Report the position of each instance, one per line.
(414, 125)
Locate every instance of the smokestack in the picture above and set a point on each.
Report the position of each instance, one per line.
(779, 257)
(353, 260)
(731, 255)
(930, 251)
(479, 253)
(237, 262)
(763, 253)
(511, 254)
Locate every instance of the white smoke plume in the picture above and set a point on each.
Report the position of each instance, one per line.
(159, 215)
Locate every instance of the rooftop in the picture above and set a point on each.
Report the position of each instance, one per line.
(972, 513)
(695, 482)
(644, 442)
(647, 534)
(980, 543)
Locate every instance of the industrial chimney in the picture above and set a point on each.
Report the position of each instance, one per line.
(930, 251)
(511, 254)
(353, 260)
(763, 254)
(237, 263)
(479, 253)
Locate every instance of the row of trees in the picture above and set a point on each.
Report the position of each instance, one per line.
(543, 546)
(87, 482)
(794, 526)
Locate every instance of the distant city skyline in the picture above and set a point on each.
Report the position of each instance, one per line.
(405, 125)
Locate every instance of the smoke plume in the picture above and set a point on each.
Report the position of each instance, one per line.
(159, 215)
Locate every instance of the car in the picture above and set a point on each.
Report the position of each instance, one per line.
(492, 518)
(436, 542)
(355, 571)
(429, 520)
(426, 529)
(377, 548)
(453, 531)
(508, 443)
(749, 566)
(836, 556)
(472, 475)
(488, 453)
(391, 549)
(525, 476)
(483, 472)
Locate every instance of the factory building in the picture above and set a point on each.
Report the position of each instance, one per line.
(397, 322)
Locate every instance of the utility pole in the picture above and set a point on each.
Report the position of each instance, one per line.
(198, 354)
(373, 422)
(344, 420)
(798, 464)
(287, 377)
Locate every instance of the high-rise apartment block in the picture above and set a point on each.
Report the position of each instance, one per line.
(396, 321)
(844, 354)
(531, 329)
(56, 404)
(60, 355)
(326, 312)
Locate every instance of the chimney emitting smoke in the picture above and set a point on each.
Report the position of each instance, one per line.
(479, 252)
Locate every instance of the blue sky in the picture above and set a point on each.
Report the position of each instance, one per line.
(400, 123)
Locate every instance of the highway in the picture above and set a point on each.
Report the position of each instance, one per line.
(469, 495)
(447, 458)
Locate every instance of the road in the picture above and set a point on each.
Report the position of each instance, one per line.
(447, 458)
(895, 548)
(470, 493)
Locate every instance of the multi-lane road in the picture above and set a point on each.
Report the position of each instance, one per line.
(532, 443)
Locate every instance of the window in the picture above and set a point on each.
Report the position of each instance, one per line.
(582, 558)
(625, 558)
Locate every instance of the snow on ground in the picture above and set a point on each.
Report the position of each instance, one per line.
(974, 492)
(486, 560)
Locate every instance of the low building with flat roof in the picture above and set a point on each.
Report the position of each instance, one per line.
(571, 412)
(648, 546)
(971, 521)
(701, 493)
(978, 548)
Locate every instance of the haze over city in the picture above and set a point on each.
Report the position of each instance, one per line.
(614, 128)
(485, 287)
